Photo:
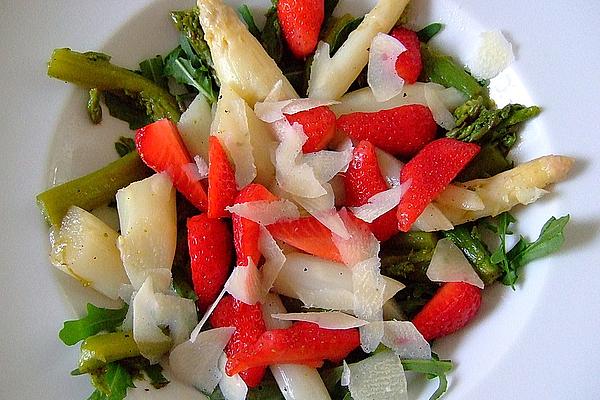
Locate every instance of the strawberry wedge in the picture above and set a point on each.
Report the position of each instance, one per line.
(210, 246)
(401, 131)
(249, 326)
(318, 124)
(451, 308)
(303, 343)
(222, 188)
(430, 172)
(161, 148)
(363, 180)
(246, 232)
(307, 234)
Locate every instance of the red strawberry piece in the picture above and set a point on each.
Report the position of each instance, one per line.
(307, 234)
(301, 22)
(451, 308)
(401, 131)
(211, 250)
(303, 343)
(222, 188)
(409, 64)
(246, 232)
(249, 326)
(362, 181)
(430, 172)
(319, 126)
(161, 148)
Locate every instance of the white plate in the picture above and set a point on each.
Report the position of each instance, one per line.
(537, 342)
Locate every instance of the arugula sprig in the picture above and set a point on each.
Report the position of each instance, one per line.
(549, 241)
(97, 320)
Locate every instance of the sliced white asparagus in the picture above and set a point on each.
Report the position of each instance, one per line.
(330, 77)
(296, 382)
(322, 283)
(455, 196)
(520, 185)
(363, 100)
(442, 116)
(230, 126)
(239, 59)
(148, 219)
(86, 248)
(194, 127)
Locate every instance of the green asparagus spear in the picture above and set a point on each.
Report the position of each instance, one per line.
(410, 267)
(93, 106)
(442, 69)
(94, 70)
(188, 23)
(97, 351)
(93, 190)
(410, 241)
(476, 252)
(490, 161)
(476, 123)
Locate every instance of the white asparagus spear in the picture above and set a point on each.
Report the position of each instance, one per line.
(239, 59)
(523, 184)
(296, 382)
(330, 77)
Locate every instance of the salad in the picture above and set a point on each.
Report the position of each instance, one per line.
(302, 209)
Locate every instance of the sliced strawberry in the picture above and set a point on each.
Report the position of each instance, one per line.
(430, 172)
(307, 234)
(451, 308)
(319, 126)
(303, 343)
(161, 148)
(301, 22)
(246, 232)
(401, 131)
(363, 180)
(409, 63)
(249, 326)
(222, 188)
(211, 251)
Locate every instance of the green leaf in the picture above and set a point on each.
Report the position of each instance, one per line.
(339, 31)
(427, 33)
(248, 18)
(188, 23)
(153, 69)
(271, 36)
(124, 146)
(433, 368)
(186, 67)
(112, 384)
(93, 106)
(128, 109)
(154, 373)
(97, 320)
(549, 241)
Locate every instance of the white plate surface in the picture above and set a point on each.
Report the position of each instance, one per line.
(540, 341)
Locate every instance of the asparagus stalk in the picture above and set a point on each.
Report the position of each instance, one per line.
(442, 69)
(93, 190)
(476, 252)
(93, 70)
(97, 351)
